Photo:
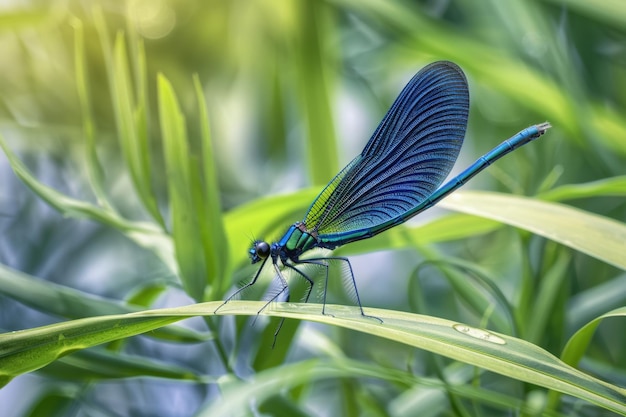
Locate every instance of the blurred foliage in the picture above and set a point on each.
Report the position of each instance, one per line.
(151, 132)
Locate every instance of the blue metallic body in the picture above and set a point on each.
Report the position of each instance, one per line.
(398, 174)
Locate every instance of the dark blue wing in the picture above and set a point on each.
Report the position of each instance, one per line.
(409, 155)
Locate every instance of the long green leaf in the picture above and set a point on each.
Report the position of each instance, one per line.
(70, 303)
(183, 187)
(24, 17)
(418, 400)
(595, 235)
(210, 218)
(550, 288)
(130, 119)
(313, 83)
(611, 12)
(615, 186)
(98, 364)
(27, 350)
(94, 168)
(578, 343)
(475, 287)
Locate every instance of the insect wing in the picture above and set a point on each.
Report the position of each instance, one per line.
(409, 155)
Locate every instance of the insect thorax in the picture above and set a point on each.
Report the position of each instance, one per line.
(296, 241)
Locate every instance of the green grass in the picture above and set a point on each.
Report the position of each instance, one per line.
(180, 147)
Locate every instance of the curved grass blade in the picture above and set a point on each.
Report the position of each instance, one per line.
(473, 286)
(25, 17)
(27, 350)
(615, 186)
(597, 236)
(586, 305)
(94, 168)
(101, 364)
(577, 345)
(183, 188)
(211, 221)
(313, 84)
(608, 12)
(66, 302)
(131, 128)
(268, 383)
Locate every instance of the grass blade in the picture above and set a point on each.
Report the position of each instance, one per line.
(183, 186)
(595, 235)
(578, 343)
(211, 220)
(70, 303)
(94, 168)
(27, 350)
(615, 186)
(314, 86)
(131, 128)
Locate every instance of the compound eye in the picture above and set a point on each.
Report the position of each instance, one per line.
(262, 249)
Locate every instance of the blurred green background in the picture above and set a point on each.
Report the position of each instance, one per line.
(293, 91)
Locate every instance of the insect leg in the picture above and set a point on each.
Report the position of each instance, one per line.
(305, 276)
(308, 294)
(321, 262)
(248, 285)
(324, 261)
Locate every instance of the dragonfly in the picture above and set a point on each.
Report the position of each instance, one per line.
(397, 175)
